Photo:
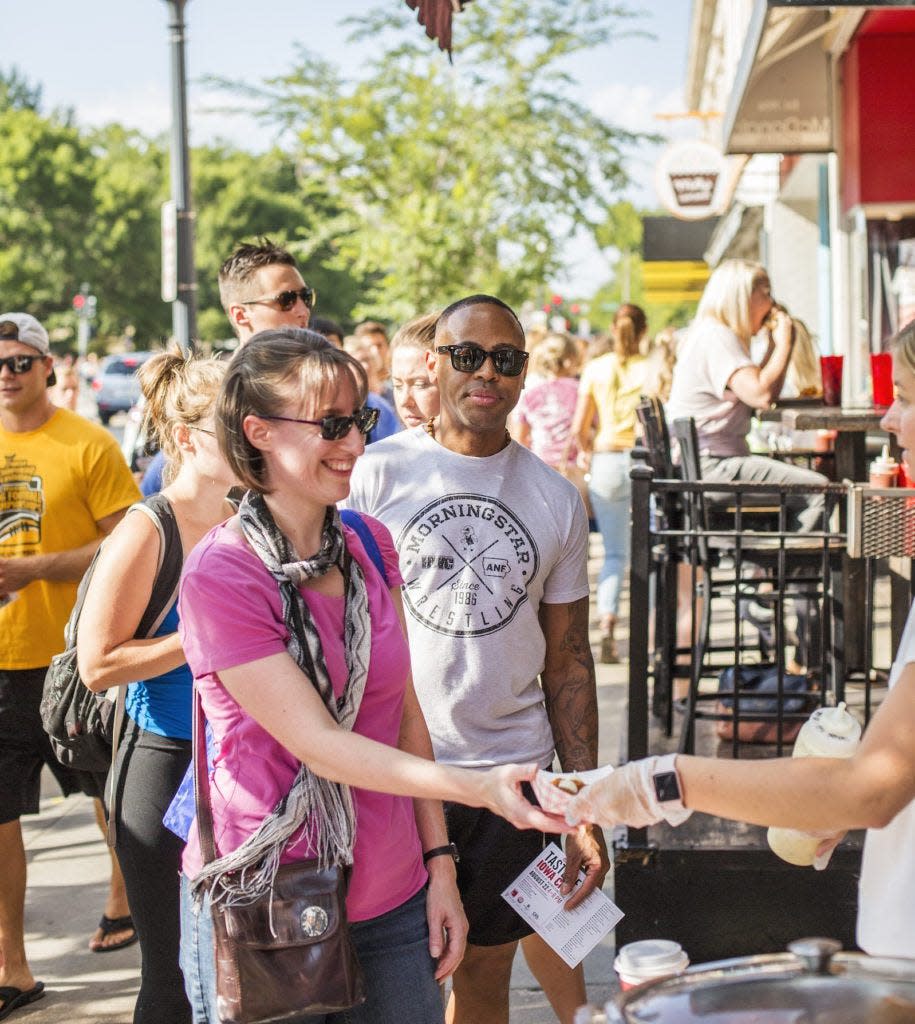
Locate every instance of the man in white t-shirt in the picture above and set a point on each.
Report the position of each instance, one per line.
(493, 551)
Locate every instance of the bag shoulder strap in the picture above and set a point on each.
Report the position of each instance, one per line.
(169, 564)
(355, 522)
(201, 783)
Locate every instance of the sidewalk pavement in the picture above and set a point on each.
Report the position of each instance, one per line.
(68, 870)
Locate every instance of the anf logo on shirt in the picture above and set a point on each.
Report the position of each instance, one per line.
(467, 561)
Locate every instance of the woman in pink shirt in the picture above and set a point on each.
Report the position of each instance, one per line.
(303, 670)
(543, 418)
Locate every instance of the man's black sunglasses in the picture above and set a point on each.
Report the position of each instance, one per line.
(335, 428)
(468, 358)
(19, 364)
(286, 300)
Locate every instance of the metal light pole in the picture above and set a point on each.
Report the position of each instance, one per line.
(184, 306)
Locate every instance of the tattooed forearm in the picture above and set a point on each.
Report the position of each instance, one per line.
(569, 685)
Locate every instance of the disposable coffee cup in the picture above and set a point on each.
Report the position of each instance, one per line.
(643, 961)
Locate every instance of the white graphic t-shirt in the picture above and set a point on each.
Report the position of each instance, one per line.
(482, 543)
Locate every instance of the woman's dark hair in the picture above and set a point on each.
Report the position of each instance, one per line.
(267, 372)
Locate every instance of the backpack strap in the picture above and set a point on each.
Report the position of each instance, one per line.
(169, 563)
(351, 518)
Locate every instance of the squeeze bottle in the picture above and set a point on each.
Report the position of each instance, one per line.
(885, 470)
(829, 732)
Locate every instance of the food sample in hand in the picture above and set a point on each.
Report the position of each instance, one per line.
(554, 790)
(569, 784)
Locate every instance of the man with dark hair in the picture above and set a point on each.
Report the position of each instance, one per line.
(388, 422)
(260, 287)
(329, 328)
(64, 485)
(493, 551)
(375, 334)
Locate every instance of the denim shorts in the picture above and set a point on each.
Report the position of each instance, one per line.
(393, 950)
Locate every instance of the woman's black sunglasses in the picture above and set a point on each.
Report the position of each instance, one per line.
(468, 358)
(19, 364)
(335, 428)
(286, 300)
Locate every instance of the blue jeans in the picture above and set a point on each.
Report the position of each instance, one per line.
(611, 502)
(393, 950)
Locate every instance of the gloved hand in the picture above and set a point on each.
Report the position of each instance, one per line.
(625, 797)
(824, 850)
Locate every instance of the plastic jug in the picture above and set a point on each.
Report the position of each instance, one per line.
(829, 732)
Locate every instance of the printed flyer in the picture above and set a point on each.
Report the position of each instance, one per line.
(534, 895)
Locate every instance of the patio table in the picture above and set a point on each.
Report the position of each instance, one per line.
(851, 426)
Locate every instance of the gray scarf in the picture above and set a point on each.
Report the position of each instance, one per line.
(315, 807)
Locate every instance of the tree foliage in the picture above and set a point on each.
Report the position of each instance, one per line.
(446, 179)
(397, 189)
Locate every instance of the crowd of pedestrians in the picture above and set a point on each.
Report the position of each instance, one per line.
(417, 874)
(383, 611)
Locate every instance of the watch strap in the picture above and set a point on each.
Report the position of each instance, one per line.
(667, 789)
(450, 850)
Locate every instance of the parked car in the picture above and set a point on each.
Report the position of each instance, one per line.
(116, 386)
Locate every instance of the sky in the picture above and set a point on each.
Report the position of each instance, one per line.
(108, 60)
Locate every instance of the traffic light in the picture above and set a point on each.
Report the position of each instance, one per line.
(79, 300)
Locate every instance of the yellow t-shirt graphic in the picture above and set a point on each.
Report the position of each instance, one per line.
(56, 483)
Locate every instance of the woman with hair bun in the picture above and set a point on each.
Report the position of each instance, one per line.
(156, 746)
(604, 426)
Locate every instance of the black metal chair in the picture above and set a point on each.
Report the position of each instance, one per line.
(737, 538)
(666, 514)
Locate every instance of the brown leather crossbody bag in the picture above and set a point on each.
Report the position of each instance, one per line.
(289, 953)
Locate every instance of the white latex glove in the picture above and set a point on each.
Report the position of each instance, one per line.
(625, 797)
(824, 850)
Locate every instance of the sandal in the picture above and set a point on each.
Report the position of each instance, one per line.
(107, 925)
(12, 998)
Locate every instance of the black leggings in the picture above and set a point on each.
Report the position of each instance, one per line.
(150, 769)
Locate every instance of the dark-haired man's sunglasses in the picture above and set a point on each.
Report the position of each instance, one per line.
(468, 358)
(335, 428)
(286, 300)
(19, 364)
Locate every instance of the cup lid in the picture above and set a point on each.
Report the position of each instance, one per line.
(651, 956)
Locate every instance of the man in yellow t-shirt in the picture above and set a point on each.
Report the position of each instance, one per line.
(64, 485)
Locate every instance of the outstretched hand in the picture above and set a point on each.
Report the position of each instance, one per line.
(503, 796)
(625, 797)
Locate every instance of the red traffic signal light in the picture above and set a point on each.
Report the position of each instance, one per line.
(557, 300)
(79, 300)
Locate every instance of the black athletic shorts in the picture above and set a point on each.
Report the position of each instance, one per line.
(492, 854)
(25, 747)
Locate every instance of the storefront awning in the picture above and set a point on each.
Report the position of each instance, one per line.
(781, 100)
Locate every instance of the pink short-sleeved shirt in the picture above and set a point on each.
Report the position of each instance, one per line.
(231, 614)
(548, 409)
